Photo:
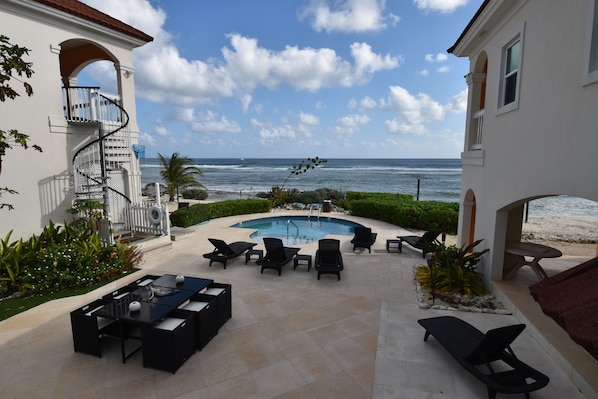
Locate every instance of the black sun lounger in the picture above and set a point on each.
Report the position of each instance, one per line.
(223, 252)
(476, 351)
(277, 255)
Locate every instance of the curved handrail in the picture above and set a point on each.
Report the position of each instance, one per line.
(98, 140)
(293, 223)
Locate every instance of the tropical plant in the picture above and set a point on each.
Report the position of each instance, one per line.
(12, 66)
(87, 214)
(452, 270)
(304, 166)
(178, 172)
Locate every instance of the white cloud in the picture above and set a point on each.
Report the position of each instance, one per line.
(350, 123)
(368, 103)
(206, 122)
(414, 111)
(162, 131)
(440, 57)
(273, 134)
(245, 102)
(308, 119)
(303, 68)
(458, 104)
(348, 15)
(442, 6)
(163, 75)
(443, 69)
(424, 72)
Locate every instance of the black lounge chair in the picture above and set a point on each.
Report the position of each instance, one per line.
(364, 238)
(472, 348)
(427, 243)
(223, 252)
(328, 257)
(277, 255)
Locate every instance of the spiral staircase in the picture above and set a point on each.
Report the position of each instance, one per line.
(100, 166)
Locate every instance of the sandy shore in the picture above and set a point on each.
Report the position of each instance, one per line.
(572, 236)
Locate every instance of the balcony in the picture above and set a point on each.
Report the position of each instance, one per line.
(476, 131)
(88, 104)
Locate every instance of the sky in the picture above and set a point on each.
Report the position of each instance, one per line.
(296, 78)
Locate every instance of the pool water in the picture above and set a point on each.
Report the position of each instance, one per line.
(297, 230)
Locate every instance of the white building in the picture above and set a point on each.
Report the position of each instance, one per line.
(532, 121)
(65, 36)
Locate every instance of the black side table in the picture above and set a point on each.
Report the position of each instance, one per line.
(258, 252)
(395, 243)
(301, 257)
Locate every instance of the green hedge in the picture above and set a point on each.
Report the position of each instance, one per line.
(199, 213)
(403, 211)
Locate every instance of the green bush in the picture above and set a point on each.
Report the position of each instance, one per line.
(61, 258)
(195, 194)
(309, 197)
(199, 213)
(403, 211)
(453, 271)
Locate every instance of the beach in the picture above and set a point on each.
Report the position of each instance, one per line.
(573, 236)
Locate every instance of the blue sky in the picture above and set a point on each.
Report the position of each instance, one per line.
(296, 78)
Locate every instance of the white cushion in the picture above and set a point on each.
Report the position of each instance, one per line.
(195, 306)
(169, 323)
(214, 291)
(94, 310)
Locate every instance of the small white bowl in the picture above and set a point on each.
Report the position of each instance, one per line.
(134, 306)
(179, 279)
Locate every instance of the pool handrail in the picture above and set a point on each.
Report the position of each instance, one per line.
(293, 223)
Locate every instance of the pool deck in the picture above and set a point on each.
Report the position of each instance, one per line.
(293, 336)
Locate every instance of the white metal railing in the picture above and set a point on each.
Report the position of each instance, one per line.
(478, 127)
(87, 104)
(145, 219)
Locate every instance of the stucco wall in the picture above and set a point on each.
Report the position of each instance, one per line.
(547, 145)
(42, 178)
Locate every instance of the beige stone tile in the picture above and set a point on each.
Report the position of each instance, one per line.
(277, 379)
(261, 354)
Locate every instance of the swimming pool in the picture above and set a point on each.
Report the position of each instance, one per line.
(297, 230)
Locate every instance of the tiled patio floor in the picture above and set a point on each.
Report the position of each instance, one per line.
(290, 336)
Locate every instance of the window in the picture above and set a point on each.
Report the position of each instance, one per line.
(590, 73)
(510, 78)
(511, 73)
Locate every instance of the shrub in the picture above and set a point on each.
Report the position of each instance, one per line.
(195, 193)
(402, 210)
(452, 271)
(309, 197)
(199, 213)
(62, 258)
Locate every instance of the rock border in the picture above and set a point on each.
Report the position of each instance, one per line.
(424, 301)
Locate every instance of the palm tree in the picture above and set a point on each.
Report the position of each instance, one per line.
(178, 172)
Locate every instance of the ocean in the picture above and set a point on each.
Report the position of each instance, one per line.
(426, 179)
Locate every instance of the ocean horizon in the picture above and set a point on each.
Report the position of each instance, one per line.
(426, 179)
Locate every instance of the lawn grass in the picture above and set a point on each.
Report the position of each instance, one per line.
(12, 306)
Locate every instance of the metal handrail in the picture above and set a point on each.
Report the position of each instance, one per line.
(311, 208)
(293, 223)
